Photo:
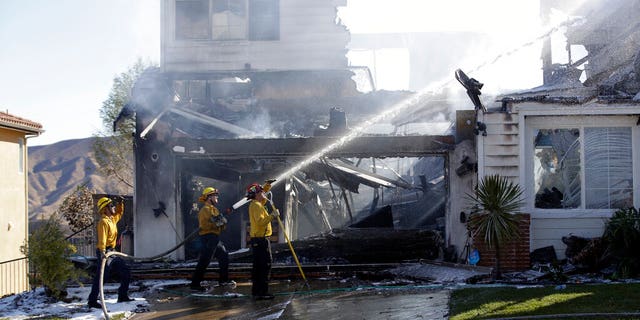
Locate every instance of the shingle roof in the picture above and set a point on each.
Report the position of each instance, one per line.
(10, 121)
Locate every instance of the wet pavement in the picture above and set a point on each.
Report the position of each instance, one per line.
(322, 299)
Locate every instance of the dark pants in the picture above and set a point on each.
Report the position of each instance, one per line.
(261, 251)
(211, 247)
(117, 266)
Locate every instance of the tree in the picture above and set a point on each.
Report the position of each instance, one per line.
(494, 210)
(49, 252)
(77, 208)
(113, 147)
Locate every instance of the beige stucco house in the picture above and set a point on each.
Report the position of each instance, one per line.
(14, 219)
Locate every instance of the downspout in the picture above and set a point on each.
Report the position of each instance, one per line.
(25, 157)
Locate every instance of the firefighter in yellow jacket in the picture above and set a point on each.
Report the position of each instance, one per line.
(260, 246)
(107, 233)
(211, 224)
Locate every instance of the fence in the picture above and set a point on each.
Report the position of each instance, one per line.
(84, 243)
(13, 276)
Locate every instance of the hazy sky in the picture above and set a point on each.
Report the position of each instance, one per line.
(58, 58)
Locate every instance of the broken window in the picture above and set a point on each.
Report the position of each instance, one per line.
(557, 168)
(587, 162)
(192, 19)
(191, 90)
(229, 20)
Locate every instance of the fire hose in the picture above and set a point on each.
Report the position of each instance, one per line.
(295, 257)
(145, 259)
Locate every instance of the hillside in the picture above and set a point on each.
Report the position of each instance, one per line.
(56, 169)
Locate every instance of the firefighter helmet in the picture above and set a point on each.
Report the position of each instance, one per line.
(103, 202)
(207, 192)
(252, 190)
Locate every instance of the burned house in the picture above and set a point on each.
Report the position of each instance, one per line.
(572, 143)
(253, 90)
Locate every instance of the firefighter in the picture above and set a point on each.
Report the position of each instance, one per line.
(260, 246)
(110, 214)
(211, 224)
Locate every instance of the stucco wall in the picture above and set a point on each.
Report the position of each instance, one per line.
(13, 207)
(460, 186)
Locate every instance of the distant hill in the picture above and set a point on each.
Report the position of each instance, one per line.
(56, 169)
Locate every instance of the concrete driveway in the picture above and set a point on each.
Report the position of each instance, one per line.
(321, 300)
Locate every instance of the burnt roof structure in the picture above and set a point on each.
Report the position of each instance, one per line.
(229, 107)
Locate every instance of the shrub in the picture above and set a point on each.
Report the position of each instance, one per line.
(622, 234)
(49, 253)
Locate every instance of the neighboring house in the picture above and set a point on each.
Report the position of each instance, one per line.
(572, 144)
(14, 219)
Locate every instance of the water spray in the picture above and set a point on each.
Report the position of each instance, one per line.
(400, 106)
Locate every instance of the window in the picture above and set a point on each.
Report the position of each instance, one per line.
(264, 20)
(557, 168)
(227, 19)
(581, 163)
(192, 19)
(608, 168)
(20, 155)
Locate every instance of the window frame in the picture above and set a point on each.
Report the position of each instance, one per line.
(568, 121)
(212, 26)
(175, 22)
(250, 34)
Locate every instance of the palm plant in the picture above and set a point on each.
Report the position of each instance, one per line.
(494, 206)
(622, 234)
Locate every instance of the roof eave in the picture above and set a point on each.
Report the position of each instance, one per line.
(25, 129)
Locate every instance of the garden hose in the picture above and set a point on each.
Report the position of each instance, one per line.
(293, 252)
(106, 257)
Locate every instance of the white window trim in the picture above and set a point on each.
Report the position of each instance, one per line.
(171, 16)
(554, 116)
(246, 25)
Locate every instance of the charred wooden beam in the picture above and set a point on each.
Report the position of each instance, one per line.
(365, 147)
(357, 246)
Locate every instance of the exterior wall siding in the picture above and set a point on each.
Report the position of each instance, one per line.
(499, 153)
(310, 39)
(549, 231)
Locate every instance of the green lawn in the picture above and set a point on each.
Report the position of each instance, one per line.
(482, 303)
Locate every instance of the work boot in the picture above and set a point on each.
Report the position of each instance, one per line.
(125, 299)
(94, 304)
(228, 284)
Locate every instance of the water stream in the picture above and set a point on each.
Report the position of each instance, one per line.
(416, 98)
